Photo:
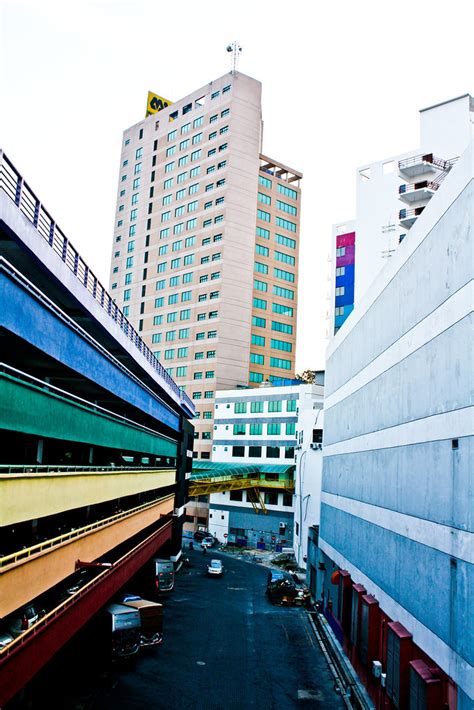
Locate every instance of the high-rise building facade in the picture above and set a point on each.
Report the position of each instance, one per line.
(205, 253)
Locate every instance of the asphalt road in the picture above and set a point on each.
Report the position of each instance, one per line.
(225, 647)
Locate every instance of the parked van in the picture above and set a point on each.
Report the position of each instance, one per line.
(164, 575)
(151, 619)
(122, 624)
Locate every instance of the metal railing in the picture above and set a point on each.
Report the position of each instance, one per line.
(406, 214)
(61, 468)
(20, 193)
(14, 557)
(424, 184)
(426, 158)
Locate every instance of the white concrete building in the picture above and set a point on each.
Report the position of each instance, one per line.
(384, 189)
(262, 427)
(396, 566)
(308, 473)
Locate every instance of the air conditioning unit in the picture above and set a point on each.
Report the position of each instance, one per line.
(316, 447)
(376, 669)
(383, 680)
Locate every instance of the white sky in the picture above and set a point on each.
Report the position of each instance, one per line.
(342, 85)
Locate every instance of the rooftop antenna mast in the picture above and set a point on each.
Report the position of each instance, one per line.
(235, 48)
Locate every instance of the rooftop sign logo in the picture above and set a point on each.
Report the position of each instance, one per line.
(156, 103)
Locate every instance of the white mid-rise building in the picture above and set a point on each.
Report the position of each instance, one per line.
(390, 195)
(262, 428)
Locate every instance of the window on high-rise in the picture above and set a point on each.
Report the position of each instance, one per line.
(261, 268)
(285, 258)
(259, 322)
(287, 191)
(258, 340)
(285, 207)
(282, 327)
(261, 232)
(283, 292)
(280, 363)
(265, 216)
(286, 224)
(255, 377)
(264, 199)
(282, 274)
(256, 359)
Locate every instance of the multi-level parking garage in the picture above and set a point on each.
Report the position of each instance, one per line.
(95, 443)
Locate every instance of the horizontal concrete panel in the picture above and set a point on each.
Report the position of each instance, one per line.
(415, 388)
(35, 495)
(410, 573)
(26, 408)
(33, 576)
(385, 477)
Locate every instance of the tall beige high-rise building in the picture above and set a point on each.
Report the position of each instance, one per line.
(205, 253)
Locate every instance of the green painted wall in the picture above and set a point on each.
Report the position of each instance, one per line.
(29, 409)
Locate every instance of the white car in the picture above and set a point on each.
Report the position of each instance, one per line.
(215, 568)
(208, 542)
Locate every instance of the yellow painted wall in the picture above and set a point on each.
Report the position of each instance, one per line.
(32, 576)
(35, 495)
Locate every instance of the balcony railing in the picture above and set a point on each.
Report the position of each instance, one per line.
(426, 158)
(19, 192)
(424, 184)
(407, 214)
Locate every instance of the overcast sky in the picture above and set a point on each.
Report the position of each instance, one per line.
(342, 85)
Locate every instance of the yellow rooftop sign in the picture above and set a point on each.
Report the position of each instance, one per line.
(155, 103)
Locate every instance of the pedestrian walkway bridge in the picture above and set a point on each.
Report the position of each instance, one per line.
(211, 477)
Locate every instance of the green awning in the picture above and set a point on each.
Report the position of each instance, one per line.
(205, 469)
